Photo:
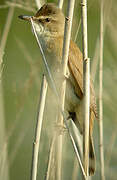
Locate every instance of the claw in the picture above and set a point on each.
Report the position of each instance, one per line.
(60, 129)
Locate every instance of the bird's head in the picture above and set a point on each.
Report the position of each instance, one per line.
(49, 20)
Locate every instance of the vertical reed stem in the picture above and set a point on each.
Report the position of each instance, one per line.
(101, 93)
(86, 88)
(38, 129)
(66, 43)
(60, 4)
(38, 3)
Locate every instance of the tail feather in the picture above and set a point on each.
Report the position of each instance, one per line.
(92, 160)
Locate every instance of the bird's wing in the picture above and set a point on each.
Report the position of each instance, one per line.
(75, 65)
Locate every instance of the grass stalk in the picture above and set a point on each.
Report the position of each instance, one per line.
(77, 144)
(38, 129)
(45, 61)
(86, 88)
(65, 53)
(38, 3)
(78, 139)
(95, 59)
(51, 153)
(60, 4)
(5, 32)
(101, 92)
(76, 35)
(78, 156)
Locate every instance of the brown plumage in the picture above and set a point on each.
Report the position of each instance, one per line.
(49, 24)
(75, 66)
(75, 82)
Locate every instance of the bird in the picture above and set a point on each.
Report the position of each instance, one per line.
(49, 22)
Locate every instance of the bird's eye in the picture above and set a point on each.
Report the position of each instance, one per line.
(47, 19)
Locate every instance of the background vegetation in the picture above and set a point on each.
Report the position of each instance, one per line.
(20, 87)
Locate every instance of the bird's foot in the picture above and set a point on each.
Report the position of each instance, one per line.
(60, 129)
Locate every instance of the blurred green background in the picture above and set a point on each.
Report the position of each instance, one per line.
(20, 87)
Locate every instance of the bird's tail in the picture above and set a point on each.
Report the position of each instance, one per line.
(92, 159)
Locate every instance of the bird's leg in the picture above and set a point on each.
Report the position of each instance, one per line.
(60, 129)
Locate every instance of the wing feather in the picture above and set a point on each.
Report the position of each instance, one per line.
(75, 65)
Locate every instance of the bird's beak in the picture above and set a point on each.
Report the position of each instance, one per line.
(26, 18)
